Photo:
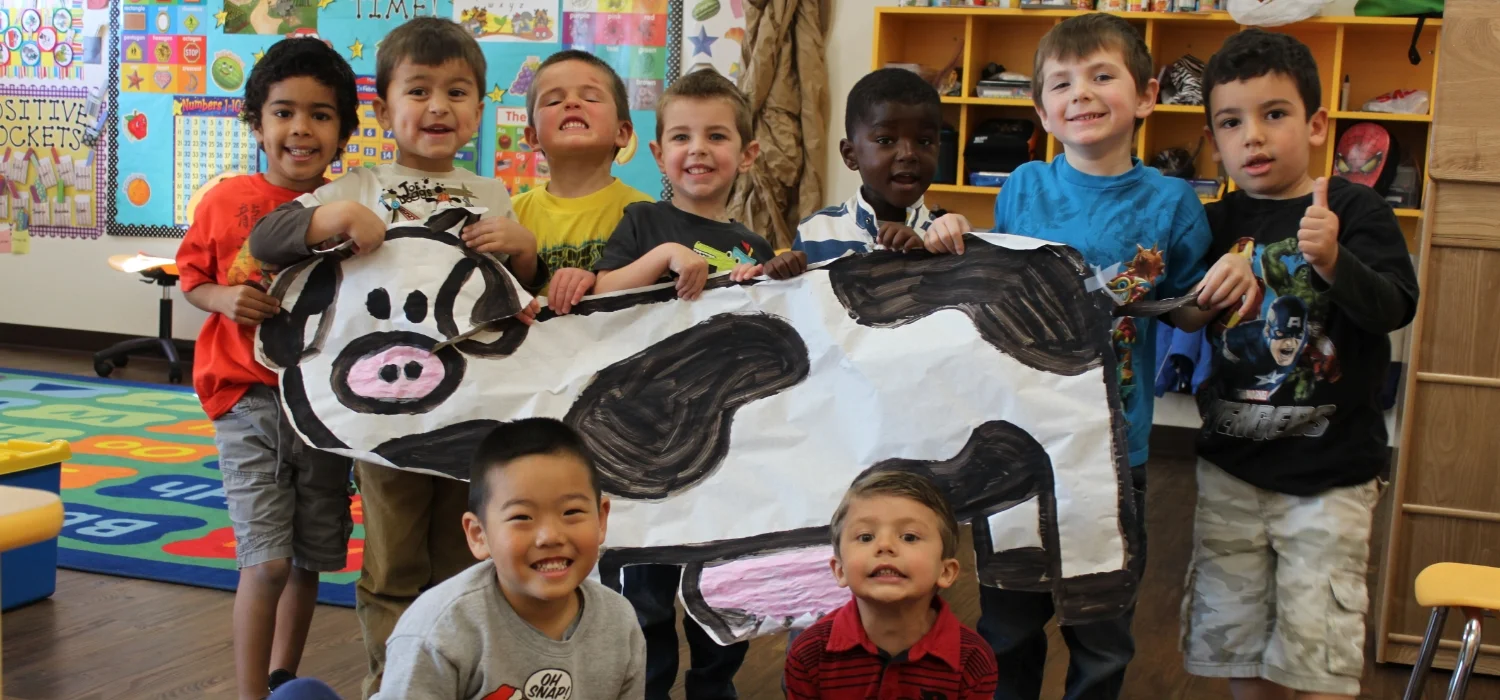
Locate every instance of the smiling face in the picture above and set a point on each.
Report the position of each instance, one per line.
(299, 131)
(1091, 103)
(895, 149)
(891, 551)
(433, 111)
(700, 150)
(542, 526)
(575, 112)
(1263, 136)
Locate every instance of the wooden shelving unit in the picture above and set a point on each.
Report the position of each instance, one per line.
(1372, 51)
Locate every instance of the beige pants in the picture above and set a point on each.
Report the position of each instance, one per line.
(1276, 589)
(414, 540)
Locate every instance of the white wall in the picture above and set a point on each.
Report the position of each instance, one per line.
(66, 284)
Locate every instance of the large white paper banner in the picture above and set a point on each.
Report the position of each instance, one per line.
(728, 428)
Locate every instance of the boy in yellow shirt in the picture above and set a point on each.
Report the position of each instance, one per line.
(578, 115)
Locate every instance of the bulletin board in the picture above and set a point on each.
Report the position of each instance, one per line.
(53, 151)
(114, 112)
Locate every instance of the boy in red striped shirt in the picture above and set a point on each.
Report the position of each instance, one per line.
(895, 542)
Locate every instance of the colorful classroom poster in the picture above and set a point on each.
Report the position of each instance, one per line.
(269, 17)
(713, 34)
(508, 20)
(630, 35)
(49, 160)
(170, 62)
(519, 167)
(371, 145)
(53, 156)
(50, 40)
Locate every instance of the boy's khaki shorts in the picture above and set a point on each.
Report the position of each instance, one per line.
(286, 499)
(1276, 588)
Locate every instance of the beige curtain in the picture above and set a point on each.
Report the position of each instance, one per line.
(787, 81)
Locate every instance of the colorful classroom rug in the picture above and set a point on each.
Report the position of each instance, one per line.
(142, 491)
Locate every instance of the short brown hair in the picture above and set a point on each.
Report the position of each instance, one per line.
(900, 484)
(616, 85)
(1079, 36)
(427, 41)
(708, 84)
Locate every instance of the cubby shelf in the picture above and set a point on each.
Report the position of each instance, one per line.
(1371, 51)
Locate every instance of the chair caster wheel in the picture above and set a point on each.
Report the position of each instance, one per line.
(174, 376)
(103, 368)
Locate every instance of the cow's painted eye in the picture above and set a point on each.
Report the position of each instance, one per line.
(379, 303)
(416, 307)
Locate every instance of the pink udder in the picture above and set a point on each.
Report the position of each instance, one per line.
(777, 586)
(403, 372)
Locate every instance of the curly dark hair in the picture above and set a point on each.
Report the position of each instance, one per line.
(889, 85)
(296, 58)
(1257, 52)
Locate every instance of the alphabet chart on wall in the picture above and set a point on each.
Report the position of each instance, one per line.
(209, 139)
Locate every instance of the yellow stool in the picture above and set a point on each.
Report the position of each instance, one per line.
(27, 516)
(1473, 589)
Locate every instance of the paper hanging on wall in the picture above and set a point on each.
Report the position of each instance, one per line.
(508, 20)
(728, 428)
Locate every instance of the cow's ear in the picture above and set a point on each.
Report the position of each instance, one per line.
(307, 292)
(479, 299)
(453, 219)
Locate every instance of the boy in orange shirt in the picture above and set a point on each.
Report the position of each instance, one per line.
(288, 502)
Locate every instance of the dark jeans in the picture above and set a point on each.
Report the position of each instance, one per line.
(305, 689)
(1012, 622)
(652, 589)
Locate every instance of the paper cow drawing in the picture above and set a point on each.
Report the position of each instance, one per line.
(728, 428)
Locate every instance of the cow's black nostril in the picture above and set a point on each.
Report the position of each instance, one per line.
(416, 307)
(379, 303)
(389, 373)
(413, 369)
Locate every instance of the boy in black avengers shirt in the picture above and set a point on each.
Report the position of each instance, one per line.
(1293, 437)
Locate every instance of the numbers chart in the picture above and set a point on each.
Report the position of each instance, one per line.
(209, 139)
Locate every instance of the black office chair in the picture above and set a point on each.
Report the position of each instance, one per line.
(117, 355)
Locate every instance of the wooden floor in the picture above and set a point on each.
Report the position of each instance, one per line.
(101, 637)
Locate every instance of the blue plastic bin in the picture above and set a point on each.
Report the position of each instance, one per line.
(29, 574)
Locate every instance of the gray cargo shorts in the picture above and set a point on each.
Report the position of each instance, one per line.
(286, 499)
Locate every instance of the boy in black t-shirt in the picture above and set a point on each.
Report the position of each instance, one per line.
(703, 140)
(1293, 438)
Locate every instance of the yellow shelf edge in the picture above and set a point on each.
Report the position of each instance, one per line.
(1178, 109)
(962, 189)
(1380, 116)
(1404, 213)
(988, 101)
(1218, 16)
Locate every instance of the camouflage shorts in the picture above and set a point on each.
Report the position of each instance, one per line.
(1276, 588)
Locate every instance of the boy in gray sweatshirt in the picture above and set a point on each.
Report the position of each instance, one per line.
(526, 622)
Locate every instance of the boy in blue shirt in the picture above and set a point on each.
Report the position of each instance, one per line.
(1092, 85)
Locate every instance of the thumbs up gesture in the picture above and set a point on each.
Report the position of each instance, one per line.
(1318, 237)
